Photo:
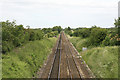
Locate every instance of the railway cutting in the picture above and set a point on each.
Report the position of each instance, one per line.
(64, 62)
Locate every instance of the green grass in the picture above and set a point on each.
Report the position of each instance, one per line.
(0, 68)
(103, 61)
(78, 42)
(25, 61)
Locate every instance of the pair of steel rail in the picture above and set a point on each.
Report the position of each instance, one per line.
(57, 53)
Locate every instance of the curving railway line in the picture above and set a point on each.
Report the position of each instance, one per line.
(64, 62)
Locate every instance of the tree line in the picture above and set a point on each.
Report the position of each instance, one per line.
(14, 35)
(51, 32)
(97, 36)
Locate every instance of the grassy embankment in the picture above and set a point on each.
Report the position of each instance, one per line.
(103, 61)
(23, 62)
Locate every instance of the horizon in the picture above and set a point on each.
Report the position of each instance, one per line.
(57, 25)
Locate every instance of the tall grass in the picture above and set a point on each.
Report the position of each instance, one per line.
(103, 61)
(26, 60)
(79, 42)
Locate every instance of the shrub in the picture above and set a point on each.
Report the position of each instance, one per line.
(6, 46)
(106, 41)
(76, 33)
(57, 28)
(97, 36)
(114, 40)
(82, 32)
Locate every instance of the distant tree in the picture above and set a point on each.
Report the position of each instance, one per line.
(82, 32)
(69, 28)
(97, 36)
(94, 26)
(57, 28)
(117, 22)
(28, 26)
(76, 33)
(46, 30)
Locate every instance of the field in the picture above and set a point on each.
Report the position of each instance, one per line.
(103, 61)
(24, 61)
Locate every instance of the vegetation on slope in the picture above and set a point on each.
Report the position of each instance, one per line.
(78, 42)
(25, 49)
(103, 61)
(102, 48)
(23, 62)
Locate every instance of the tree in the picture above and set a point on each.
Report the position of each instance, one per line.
(28, 26)
(69, 28)
(117, 22)
(57, 28)
(97, 36)
(82, 32)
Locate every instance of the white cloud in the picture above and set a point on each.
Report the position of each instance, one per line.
(60, 12)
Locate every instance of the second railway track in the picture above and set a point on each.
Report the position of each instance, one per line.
(73, 69)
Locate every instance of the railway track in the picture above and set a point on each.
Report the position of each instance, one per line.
(63, 64)
(55, 68)
(73, 69)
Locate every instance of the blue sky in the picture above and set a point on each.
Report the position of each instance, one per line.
(49, 13)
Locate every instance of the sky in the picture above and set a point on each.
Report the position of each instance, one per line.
(119, 9)
(64, 13)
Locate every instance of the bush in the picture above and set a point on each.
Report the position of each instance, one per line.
(85, 32)
(76, 33)
(6, 46)
(114, 40)
(51, 32)
(112, 37)
(106, 41)
(82, 32)
(97, 36)
(70, 33)
(57, 28)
